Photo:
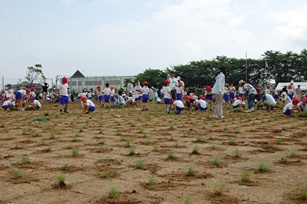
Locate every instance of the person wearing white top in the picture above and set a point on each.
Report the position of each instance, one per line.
(35, 104)
(173, 84)
(7, 104)
(289, 108)
(201, 104)
(178, 106)
(269, 101)
(218, 92)
(88, 105)
(63, 94)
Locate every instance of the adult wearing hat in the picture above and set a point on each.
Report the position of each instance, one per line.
(218, 92)
(130, 88)
(251, 92)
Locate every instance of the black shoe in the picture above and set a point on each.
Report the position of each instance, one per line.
(66, 112)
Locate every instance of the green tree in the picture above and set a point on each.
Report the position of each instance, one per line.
(35, 73)
(154, 77)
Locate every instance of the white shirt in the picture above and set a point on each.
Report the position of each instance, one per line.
(63, 89)
(178, 103)
(288, 106)
(270, 100)
(7, 102)
(107, 91)
(219, 85)
(237, 102)
(89, 103)
(145, 90)
(179, 90)
(202, 103)
(166, 91)
(37, 103)
(23, 92)
(241, 90)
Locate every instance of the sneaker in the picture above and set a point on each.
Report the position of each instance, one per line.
(221, 116)
(248, 111)
(252, 109)
(66, 112)
(215, 116)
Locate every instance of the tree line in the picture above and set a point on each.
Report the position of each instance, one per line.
(282, 67)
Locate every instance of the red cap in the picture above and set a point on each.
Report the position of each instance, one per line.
(98, 87)
(83, 98)
(296, 100)
(24, 88)
(187, 98)
(305, 99)
(267, 87)
(31, 98)
(243, 98)
(64, 80)
(208, 89)
(226, 84)
(201, 97)
(145, 83)
(180, 83)
(166, 81)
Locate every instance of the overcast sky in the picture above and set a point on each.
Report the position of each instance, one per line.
(125, 37)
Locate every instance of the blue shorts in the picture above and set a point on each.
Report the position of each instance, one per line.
(92, 108)
(235, 106)
(18, 95)
(64, 100)
(162, 95)
(167, 101)
(6, 106)
(145, 98)
(226, 97)
(112, 99)
(106, 98)
(178, 108)
(178, 96)
(291, 96)
(232, 95)
(201, 108)
(288, 112)
(275, 96)
(209, 97)
(38, 107)
(101, 98)
(241, 94)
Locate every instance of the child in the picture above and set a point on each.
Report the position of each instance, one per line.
(178, 106)
(112, 99)
(289, 108)
(232, 90)
(63, 95)
(99, 95)
(267, 90)
(275, 96)
(145, 91)
(238, 103)
(88, 105)
(302, 106)
(269, 101)
(167, 96)
(290, 91)
(137, 95)
(32, 93)
(119, 100)
(20, 96)
(226, 94)
(209, 96)
(35, 104)
(251, 93)
(107, 95)
(285, 98)
(179, 91)
(7, 104)
(241, 91)
(201, 104)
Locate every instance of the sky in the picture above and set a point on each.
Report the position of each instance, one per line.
(126, 37)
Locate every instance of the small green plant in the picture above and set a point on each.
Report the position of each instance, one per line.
(128, 143)
(101, 148)
(219, 188)
(139, 164)
(101, 142)
(172, 138)
(170, 154)
(191, 171)
(216, 162)
(131, 151)
(75, 152)
(1, 156)
(52, 135)
(188, 201)
(16, 173)
(48, 149)
(232, 142)
(199, 138)
(152, 181)
(264, 168)
(75, 139)
(245, 176)
(303, 192)
(284, 160)
(213, 147)
(106, 174)
(113, 193)
(176, 144)
(269, 145)
(155, 148)
(279, 141)
(69, 147)
(293, 153)
(61, 180)
(65, 167)
(118, 132)
(122, 139)
(237, 153)
(148, 142)
(25, 159)
(195, 150)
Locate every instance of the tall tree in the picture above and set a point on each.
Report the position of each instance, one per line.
(35, 73)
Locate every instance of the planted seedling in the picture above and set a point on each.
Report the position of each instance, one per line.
(245, 176)
(25, 159)
(237, 153)
(170, 154)
(195, 150)
(48, 149)
(152, 181)
(106, 174)
(284, 160)
(219, 188)
(293, 154)
(139, 164)
(16, 173)
(188, 201)
(113, 193)
(131, 151)
(303, 192)
(191, 171)
(216, 161)
(232, 142)
(75, 152)
(128, 144)
(61, 180)
(264, 168)
(155, 148)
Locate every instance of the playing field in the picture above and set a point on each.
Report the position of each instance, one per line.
(128, 156)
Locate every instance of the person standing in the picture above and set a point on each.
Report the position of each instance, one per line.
(173, 84)
(251, 92)
(130, 88)
(63, 95)
(45, 87)
(218, 92)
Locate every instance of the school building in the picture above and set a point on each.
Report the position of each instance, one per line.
(78, 81)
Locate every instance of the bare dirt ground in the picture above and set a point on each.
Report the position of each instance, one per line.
(148, 157)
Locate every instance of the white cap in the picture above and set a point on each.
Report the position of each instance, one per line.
(178, 78)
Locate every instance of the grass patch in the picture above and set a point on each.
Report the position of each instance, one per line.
(264, 168)
(191, 171)
(16, 173)
(113, 193)
(219, 188)
(139, 164)
(152, 181)
(245, 176)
